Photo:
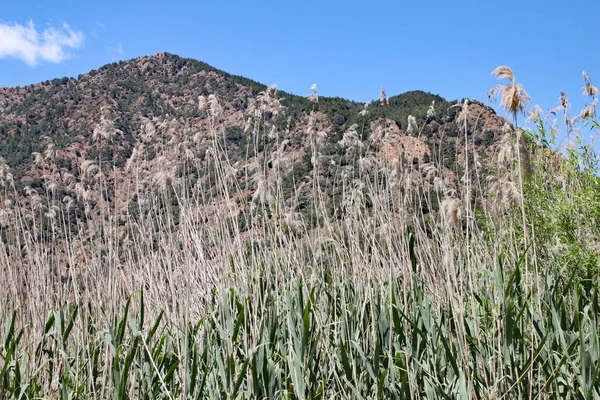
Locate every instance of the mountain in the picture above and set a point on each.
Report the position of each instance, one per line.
(141, 123)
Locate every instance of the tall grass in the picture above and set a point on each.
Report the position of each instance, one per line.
(213, 283)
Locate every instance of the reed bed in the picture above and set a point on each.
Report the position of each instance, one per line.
(213, 284)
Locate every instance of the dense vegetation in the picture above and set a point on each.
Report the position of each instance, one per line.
(238, 267)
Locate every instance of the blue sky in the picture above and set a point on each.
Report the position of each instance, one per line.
(349, 48)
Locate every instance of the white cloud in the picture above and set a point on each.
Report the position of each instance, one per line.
(25, 43)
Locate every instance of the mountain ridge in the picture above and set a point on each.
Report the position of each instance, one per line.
(150, 110)
(205, 66)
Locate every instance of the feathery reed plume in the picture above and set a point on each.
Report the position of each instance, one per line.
(412, 125)
(503, 191)
(367, 163)
(564, 107)
(165, 177)
(365, 110)
(38, 159)
(147, 129)
(51, 184)
(535, 113)
(314, 97)
(105, 129)
(5, 175)
(321, 138)
(81, 192)
(202, 104)
(265, 101)
(136, 155)
(383, 97)
(563, 101)
(68, 178)
(89, 168)
(513, 96)
(463, 115)
(350, 140)
(589, 89)
(377, 136)
(451, 210)
(589, 111)
(5, 217)
(431, 110)
(50, 151)
(513, 99)
(428, 170)
(69, 203)
(214, 107)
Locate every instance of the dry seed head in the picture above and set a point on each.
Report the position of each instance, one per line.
(412, 125)
(564, 102)
(503, 72)
(214, 107)
(513, 96)
(377, 135)
(202, 103)
(350, 138)
(68, 178)
(189, 154)
(589, 111)
(81, 192)
(311, 126)
(147, 129)
(428, 170)
(272, 134)
(52, 186)
(503, 190)
(367, 163)
(451, 211)
(50, 151)
(38, 159)
(248, 125)
(105, 129)
(231, 172)
(263, 192)
(5, 174)
(505, 149)
(70, 202)
(534, 114)
(463, 115)
(364, 111)
(431, 110)
(294, 221)
(88, 168)
(5, 220)
(321, 138)
(314, 97)
(136, 154)
(383, 97)
(589, 89)
(165, 177)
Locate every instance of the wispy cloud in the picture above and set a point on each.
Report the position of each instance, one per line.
(26, 43)
(116, 52)
(95, 28)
